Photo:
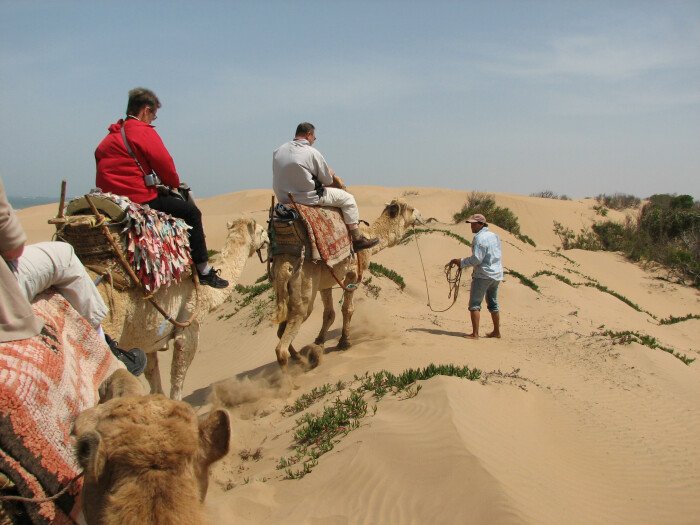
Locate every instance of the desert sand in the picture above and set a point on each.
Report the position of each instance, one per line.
(563, 426)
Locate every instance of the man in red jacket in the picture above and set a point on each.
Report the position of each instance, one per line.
(130, 173)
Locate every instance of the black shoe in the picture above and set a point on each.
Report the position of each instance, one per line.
(363, 243)
(134, 359)
(212, 279)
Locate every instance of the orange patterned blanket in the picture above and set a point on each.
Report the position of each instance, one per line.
(327, 232)
(46, 381)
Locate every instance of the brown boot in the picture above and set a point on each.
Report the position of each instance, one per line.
(360, 242)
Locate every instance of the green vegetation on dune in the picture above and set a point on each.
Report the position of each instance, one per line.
(666, 231)
(618, 201)
(417, 231)
(485, 203)
(526, 281)
(594, 284)
(673, 320)
(318, 433)
(629, 336)
(547, 194)
(379, 270)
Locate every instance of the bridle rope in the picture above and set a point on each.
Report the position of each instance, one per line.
(452, 281)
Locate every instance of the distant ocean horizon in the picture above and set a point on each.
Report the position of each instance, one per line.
(27, 202)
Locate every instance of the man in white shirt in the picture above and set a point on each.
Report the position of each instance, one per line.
(300, 169)
(488, 274)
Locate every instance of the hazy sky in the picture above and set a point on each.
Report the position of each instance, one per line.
(577, 97)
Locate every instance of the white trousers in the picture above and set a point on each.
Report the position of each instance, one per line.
(55, 264)
(337, 198)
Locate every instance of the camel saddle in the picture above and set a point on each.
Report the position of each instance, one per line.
(317, 232)
(155, 244)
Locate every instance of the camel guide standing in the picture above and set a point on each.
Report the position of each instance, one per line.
(300, 169)
(131, 159)
(487, 275)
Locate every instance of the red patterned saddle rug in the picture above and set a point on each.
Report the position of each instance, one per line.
(327, 232)
(46, 381)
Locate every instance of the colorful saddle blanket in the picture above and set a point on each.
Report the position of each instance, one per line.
(46, 381)
(325, 233)
(155, 244)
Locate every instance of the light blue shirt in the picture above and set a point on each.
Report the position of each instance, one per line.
(486, 256)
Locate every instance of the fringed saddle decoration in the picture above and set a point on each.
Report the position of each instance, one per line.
(321, 231)
(155, 244)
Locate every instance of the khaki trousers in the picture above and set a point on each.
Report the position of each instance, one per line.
(55, 264)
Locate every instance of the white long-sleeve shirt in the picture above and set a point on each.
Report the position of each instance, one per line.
(486, 256)
(293, 166)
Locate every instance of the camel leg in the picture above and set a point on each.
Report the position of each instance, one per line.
(152, 373)
(348, 309)
(183, 353)
(328, 315)
(302, 292)
(292, 351)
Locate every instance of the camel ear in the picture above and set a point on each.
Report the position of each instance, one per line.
(251, 228)
(229, 225)
(90, 453)
(214, 435)
(393, 210)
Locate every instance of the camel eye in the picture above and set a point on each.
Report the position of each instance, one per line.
(83, 451)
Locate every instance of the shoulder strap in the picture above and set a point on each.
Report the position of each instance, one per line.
(128, 149)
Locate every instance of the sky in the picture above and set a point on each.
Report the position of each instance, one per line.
(575, 97)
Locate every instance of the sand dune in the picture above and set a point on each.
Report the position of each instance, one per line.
(562, 427)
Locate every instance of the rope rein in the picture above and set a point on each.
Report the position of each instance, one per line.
(46, 499)
(452, 281)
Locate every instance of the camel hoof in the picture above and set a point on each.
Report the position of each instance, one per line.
(313, 354)
(320, 341)
(344, 344)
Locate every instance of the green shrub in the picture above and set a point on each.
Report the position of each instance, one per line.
(613, 236)
(584, 240)
(667, 231)
(601, 210)
(618, 201)
(485, 203)
(547, 194)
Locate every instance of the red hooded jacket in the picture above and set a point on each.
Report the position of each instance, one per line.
(117, 171)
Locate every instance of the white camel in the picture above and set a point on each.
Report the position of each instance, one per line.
(295, 289)
(136, 323)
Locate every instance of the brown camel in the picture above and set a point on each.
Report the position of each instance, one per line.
(295, 288)
(136, 323)
(146, 459)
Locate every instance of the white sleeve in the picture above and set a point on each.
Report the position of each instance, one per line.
(321, 169)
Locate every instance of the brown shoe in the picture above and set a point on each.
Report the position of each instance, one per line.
(363, 243)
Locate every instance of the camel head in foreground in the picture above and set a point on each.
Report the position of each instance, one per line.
(296, 285)
(146, 458)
